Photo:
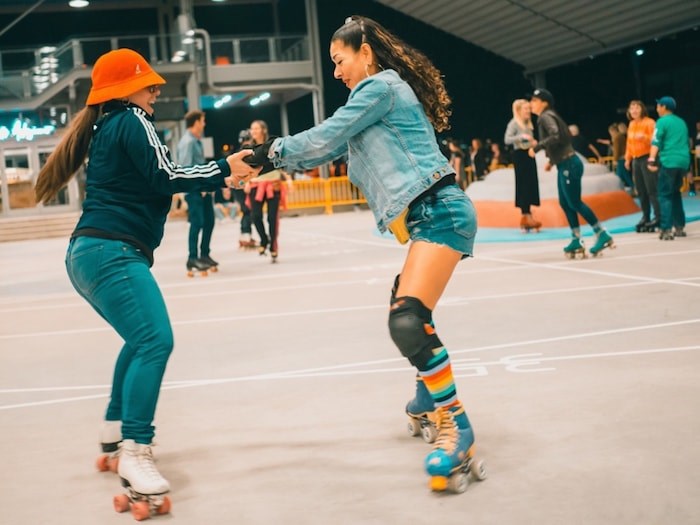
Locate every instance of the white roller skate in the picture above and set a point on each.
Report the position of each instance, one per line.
(146, 488)
(422, 418)
(110, 442)
(452, 460)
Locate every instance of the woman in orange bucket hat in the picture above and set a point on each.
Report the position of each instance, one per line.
(130, 180)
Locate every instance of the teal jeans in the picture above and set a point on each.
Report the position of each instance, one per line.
(114, 277)
(569, 174)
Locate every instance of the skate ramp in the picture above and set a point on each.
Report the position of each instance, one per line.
(494, 197)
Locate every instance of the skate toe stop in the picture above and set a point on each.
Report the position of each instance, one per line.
(438, 483)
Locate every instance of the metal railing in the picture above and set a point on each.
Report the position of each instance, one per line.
(25, 73)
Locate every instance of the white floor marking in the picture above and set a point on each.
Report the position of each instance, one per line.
(513, 363)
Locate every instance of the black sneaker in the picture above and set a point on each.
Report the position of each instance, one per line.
(679, 232)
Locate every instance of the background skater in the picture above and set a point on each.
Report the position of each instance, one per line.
(556, 141)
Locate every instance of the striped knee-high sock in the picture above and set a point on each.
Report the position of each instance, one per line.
(439, 380)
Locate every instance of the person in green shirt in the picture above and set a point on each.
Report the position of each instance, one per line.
(670, 145)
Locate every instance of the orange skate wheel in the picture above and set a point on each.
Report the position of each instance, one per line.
(164, 507)
(140, 510)
(102, 463)
(121, 502)
(113, 464)
(438, 483)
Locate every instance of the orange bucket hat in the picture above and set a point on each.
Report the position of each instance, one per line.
(120, 73)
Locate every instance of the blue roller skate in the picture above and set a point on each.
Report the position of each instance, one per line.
(603, 241)
(422, 418)
(575, 248)
(452, 459)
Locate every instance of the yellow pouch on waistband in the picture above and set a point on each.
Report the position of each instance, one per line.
(399, 229)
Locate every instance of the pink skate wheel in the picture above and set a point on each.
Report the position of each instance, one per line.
(140, 511)
(102, 463)
(121, 503)
(164, 507)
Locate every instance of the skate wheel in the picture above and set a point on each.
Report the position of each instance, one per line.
(438, 483)
(121, 503)
(413, 427)
(164, 507)
(478, 470)
(458, 483)
(214, 269)
(190, 274)
(140, 510)
(102, 463)
(429, 433)
(203, 274)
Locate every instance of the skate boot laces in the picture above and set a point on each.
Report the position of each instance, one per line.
(448, 435)
(144, 459)
(139, 469)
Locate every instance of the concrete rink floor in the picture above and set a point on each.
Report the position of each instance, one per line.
(283, 401)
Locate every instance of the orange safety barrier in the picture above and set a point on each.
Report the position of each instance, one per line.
(323, 193)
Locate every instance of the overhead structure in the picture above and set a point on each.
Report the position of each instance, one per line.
(542, 34)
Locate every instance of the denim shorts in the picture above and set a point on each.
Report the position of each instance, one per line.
(446, 217)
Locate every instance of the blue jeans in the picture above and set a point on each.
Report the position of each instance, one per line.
(569, 174)
(446, 217)
(114, 277)
(200, 213)
(670, 201)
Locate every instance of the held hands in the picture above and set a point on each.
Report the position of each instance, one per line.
(531, 152)
(258, 157)
(241, 172)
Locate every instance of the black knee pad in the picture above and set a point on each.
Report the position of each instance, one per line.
(410, 326)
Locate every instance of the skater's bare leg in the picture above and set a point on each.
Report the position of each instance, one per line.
(426, 272)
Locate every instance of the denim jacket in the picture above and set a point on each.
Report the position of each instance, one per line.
(393, 155)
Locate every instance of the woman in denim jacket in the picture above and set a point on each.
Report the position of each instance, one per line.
(387, 129)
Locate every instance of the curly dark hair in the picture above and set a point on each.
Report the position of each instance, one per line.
(411, 65)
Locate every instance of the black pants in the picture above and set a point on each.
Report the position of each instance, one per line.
(273, 205)
(645, 182)
(246, 222)
(200, 212)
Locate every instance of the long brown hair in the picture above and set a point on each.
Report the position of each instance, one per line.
(68, 156)
(411, 65)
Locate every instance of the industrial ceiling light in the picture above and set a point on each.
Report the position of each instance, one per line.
(78, 3)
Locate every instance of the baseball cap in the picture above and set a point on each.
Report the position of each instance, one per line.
(667, 102)
(543, 95)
